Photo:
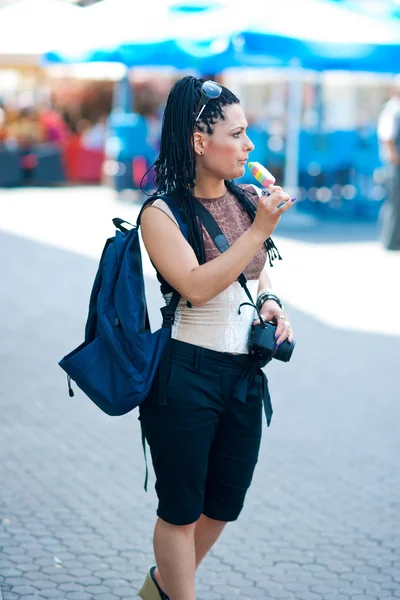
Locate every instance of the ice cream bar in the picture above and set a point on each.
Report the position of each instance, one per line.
(263, 176)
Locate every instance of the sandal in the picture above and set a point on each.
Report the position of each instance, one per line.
(150, 589)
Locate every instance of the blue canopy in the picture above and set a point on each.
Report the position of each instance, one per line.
(210, 36)
(323, 35)
(194, 34)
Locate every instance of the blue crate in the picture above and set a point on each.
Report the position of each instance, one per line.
(10, 168)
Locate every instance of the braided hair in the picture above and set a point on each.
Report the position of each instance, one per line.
(175, 168)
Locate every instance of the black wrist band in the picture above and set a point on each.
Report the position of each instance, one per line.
(264, 297)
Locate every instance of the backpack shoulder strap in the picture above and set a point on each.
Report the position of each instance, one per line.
(172, 204)
(220, 240)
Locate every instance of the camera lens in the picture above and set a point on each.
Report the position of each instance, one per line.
(285, 351)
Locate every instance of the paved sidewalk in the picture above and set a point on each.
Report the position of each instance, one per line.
(321, 521)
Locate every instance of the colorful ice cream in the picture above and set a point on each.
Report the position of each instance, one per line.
(263, 176)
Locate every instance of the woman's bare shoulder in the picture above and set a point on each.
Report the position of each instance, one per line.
(160, 205)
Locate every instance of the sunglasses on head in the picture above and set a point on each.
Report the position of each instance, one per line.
(210, 90)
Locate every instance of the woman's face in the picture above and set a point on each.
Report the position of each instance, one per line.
(224, 153)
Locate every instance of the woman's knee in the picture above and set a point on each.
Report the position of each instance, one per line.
(215, 522)
(182, 514)
(186, 529)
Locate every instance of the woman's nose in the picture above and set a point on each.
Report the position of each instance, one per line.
(249, 144)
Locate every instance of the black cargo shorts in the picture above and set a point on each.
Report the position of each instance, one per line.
(205, 439)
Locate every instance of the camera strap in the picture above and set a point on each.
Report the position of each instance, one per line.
(221, 242)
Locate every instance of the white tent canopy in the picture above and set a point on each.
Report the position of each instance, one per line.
(32, 27)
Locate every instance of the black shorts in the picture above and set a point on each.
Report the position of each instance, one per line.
(205, 440)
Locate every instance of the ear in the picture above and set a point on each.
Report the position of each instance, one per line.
(198, 142)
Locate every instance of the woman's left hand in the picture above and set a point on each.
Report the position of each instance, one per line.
(271, 311)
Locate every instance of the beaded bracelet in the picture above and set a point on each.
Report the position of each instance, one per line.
(263, 297)
(265, 291)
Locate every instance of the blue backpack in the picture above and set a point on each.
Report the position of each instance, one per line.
(116, 364)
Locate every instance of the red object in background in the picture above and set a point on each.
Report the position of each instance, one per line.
(71, 157)
(29, 161)
(82, 165)
(139, 168)
(53, 125)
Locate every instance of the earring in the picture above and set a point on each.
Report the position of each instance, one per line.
(201, 152)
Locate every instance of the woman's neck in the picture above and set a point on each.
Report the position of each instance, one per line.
(209, 188)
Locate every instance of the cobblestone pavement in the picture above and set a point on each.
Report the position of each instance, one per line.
(321, 520)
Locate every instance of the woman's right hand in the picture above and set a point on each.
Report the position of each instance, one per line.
(268, 214)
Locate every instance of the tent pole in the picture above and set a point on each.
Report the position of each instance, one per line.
(123, 95)
(293, 127)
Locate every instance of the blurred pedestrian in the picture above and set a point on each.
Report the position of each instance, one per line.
(203, 417)
(26, 130)
(2, 122)
(148, 100)
(94, 136)
(54, 126)
(389, 138)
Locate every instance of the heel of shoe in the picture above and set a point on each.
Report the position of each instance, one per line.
(149, 591)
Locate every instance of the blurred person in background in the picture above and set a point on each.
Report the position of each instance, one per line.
(25, 130)
(389, 138)
(148, 99)
(94, 135)
(2, 123)
(53, 124)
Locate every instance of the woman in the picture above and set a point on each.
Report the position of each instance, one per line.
(205, 440)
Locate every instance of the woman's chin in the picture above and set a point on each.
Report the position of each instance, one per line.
(241, 171)
(237, 173)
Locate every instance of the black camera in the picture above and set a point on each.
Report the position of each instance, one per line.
(263, 344)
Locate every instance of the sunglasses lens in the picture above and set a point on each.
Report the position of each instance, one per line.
(211, 89)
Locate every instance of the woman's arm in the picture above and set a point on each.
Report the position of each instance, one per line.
(175, 259)
(264, 281)
(271, 311)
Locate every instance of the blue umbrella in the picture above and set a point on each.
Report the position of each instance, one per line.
(195, 34)
(322, 35)
(211, 35)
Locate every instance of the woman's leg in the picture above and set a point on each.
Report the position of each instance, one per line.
(206, 533)
(174, 550)
(180, 435)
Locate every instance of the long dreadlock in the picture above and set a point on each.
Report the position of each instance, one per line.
(175, 168)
